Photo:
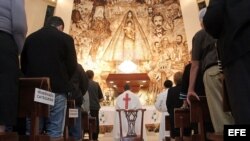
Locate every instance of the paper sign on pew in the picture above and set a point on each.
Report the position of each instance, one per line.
(45, 97)
(73, 113)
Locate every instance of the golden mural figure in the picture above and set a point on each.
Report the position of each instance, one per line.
(129, 42)
(100, 28)
(129, 37)
(78, 29)
(149, 33)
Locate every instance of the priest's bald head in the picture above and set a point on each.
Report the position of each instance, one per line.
(126, 87)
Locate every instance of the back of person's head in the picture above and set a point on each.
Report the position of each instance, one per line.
(168, 84)
(126, 87)
(54, 21)
(90, 74)
(202, 13)
(178, 78)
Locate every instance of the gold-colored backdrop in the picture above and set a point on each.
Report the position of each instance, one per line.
(150, 33)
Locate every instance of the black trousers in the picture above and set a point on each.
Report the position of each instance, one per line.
(237, 80)
(9, 74)
(95, 113)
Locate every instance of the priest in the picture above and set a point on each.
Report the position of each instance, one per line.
(127, 100)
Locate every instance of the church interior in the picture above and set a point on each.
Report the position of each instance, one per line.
(157, 49)
(139, 42)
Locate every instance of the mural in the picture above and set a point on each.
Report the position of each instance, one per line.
(150, 33)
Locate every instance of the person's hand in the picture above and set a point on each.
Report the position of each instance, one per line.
(192, 93)
(184, 105)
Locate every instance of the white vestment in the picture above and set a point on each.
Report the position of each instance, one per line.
(161, 106)
(133, 103)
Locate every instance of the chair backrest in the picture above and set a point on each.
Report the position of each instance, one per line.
(69, 121)
(199, 113)
(8, 136)
(131, 116)
(29, 108)
(182, 120)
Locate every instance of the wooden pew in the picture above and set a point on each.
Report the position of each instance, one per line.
(199, 113)
(182, 121)
(197, 116)
(8, 136)
(88, 125)
(29, 108)
(215, 136)
(69, 122)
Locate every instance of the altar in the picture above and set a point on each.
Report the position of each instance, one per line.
(107, 113)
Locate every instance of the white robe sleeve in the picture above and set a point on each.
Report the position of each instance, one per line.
(160, 103)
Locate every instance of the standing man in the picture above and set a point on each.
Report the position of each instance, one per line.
(228, 21)
(49, 52)
(13, 29)
(204, 54)
(95, 97)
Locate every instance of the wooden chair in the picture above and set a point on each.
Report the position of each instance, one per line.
(182, 121)
(131, 116)
(88, 125)
(29, 108)
(69, 122)
(8, 136)
(199, 113)
(167, 127)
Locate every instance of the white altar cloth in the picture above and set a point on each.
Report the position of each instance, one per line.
(107, 114)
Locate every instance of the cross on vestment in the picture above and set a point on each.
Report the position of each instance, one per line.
(126, 99)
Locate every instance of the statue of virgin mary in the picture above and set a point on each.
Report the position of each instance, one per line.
(129, 42)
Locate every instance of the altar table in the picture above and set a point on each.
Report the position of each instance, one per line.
(107, 114)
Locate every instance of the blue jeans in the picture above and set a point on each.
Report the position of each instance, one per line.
(76, 130)
(56, 121)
